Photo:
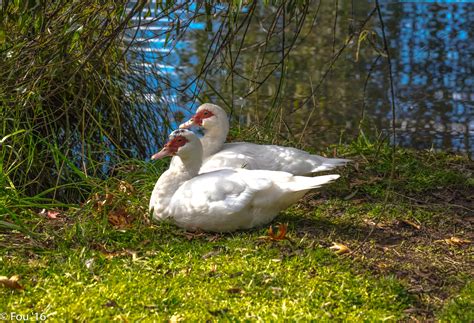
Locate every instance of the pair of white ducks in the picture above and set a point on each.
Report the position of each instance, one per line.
(220, 187)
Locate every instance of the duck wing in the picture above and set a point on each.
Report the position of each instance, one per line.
(216, 201)
(269, 157)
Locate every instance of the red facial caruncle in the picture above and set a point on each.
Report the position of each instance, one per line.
(201, 115)
(171, 147)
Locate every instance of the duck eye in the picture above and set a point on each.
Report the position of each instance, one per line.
(206, 113)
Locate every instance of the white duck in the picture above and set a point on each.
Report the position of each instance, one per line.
(218, 154)
(222, 200)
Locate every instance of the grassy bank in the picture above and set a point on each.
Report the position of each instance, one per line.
(409, 252)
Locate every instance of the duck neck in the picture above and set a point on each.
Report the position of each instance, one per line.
(214, 138)
(182, 170)
(189, 166)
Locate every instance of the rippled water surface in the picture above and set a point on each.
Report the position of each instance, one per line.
(431, 47)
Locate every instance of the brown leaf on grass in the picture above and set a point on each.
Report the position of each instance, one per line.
(120, 218)
(281, 235)
(126, 188)
(454, 241)
(107, 199)
(100, 201)
(339, 248)
(11, 282)
(52, 214)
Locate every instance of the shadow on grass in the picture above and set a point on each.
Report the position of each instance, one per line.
(418, 252)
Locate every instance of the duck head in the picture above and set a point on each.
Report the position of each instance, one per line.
(208, 116)
(183, 143)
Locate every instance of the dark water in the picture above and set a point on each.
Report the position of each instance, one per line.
(431, 47)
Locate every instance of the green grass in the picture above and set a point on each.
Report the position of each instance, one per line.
(236, 277)
(461, 307)
(79, 266)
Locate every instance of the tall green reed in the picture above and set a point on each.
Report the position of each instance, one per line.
(73, 103)
(66, 111)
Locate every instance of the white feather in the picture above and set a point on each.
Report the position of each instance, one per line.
(218, 155)
(226, 199)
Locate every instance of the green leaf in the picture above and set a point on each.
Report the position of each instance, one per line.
(11, 134)
(148, 13)
(10, 226)
(2, 37)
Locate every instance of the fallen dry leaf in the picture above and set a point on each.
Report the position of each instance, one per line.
(107, 200)
(454, 241)
(52, 214)
(120, 218)
(102, 200)
(281, 235)
(339, 248)
(11, 282)
(126, 187)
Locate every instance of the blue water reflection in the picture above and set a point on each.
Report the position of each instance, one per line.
(432, 55)
(433, 49)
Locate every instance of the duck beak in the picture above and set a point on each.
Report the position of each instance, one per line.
(188, 124)
(162, 153)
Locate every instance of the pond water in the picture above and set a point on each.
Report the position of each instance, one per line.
(431, 47)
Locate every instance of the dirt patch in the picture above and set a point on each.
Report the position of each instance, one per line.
(423, 255)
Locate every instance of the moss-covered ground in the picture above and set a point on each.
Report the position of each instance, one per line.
(410, 255)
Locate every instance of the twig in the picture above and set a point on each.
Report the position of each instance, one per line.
(334, 28)
(392, 169)
(364, 92)
(333, 61)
